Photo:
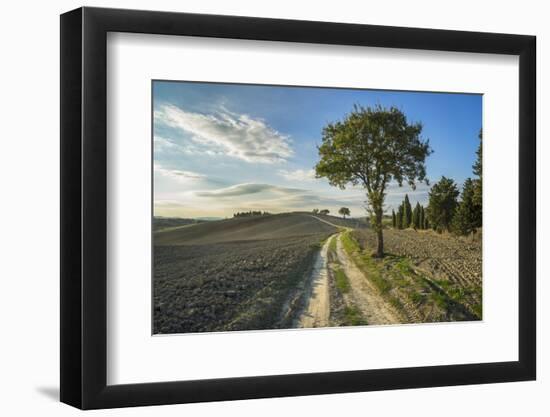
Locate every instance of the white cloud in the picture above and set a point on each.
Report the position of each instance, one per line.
(177, 174)
(162, 144)
(301, 175)
(168, 146)
(247, 189)
(239, 136)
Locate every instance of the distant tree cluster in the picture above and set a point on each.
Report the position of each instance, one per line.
(463, 215)
(407, 217)
(323, 211)
(449, 209)
(251, 213)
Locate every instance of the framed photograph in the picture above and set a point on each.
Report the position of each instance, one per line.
(257, 208)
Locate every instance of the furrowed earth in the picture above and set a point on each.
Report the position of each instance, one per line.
(307, 270)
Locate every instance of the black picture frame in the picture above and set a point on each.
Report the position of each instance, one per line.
(84, 207)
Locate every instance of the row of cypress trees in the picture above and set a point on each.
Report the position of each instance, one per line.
(407, 217)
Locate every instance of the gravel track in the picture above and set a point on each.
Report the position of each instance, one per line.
(316, 312)
(366, 297)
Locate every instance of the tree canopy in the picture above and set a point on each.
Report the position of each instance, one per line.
(465, 216)
(442, 204)
(477, 199)
(371, 147)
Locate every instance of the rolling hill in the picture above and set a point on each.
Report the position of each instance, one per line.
(275, 226)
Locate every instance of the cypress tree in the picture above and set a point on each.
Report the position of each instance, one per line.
(442, 204)
(407, 212)
(400, 217)
(464, 219)
(416, 216)
(421, 218)
(477, 169)
(393, 219)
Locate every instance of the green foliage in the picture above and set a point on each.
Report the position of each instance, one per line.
(478, 164)
(353, 316)
(324, 211)
(400, 217)
(416, 216)
(344, 211)
(442, 204)
(407, 209)
(251, 213)
(393, 219)
(371, 147)
(332, 245)
(478, 185)
(469, 214)
(465, 217)
(349, 243)
(342, 281)
(315, 211)
(421, 218)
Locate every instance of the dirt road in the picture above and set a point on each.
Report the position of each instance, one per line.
(317, 309)
(366, 298)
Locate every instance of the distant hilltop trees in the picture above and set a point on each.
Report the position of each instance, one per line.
(344, 211)
(251, 213)
(317, 211)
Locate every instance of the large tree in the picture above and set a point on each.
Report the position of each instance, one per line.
(442, 204)
(370, 147)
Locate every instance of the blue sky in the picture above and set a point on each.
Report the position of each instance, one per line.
(221, 148)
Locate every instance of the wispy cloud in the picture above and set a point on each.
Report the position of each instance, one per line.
(247, 189)
(300, 175)
(177, 174)
(237, 135)
(162, 144)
